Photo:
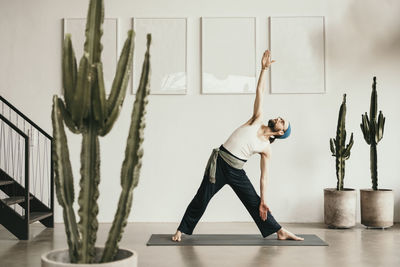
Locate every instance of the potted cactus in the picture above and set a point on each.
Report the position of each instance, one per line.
(340, 203)
(377, 205)
(86, 110)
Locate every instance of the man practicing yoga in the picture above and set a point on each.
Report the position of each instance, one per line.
(225, 166)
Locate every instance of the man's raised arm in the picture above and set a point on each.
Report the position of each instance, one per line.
(265, 63)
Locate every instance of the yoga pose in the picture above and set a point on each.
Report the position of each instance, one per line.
(225, 166)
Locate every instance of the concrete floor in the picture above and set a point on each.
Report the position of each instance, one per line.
(358, 246)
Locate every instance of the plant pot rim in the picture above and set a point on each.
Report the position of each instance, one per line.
(344, 189)
(380, 189)
(44, 257)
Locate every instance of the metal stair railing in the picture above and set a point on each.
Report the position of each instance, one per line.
(25, 166)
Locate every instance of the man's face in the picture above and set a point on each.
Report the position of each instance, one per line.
(278, 124)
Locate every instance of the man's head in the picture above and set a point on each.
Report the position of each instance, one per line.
(281, 127)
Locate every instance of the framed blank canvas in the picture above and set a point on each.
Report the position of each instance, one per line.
(167, 54)
(76, 27)
(298, 46)
(228, 55)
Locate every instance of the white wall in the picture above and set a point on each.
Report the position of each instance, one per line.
(362, 41)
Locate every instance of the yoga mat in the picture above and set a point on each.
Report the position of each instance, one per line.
(232, 240)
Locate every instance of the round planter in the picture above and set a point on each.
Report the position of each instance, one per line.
(377, 207)
(340, 207)
(60, 258)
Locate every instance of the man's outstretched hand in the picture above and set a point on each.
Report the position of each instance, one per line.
(266, 59)
(264, 210)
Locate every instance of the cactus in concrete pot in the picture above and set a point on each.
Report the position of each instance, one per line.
(377, 205)
(372, 129)
(340, 202)
(86, 110)
(338, 146)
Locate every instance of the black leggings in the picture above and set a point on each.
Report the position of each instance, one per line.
(243, 188)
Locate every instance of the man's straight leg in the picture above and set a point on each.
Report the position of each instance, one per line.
(200, 201)
(244, 189)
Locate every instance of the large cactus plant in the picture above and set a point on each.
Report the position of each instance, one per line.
(86, 110)
(338, 145)
(372, 129)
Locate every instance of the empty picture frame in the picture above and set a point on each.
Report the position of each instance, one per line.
(298, 45)
(167, 51)
(76, 27)
(228, 55)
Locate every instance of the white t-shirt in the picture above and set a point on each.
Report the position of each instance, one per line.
(244, 142)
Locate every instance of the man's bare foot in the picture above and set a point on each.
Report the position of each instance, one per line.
(284, 234)
(177, 236)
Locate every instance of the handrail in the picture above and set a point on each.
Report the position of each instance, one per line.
(25, 118)
(15, 128)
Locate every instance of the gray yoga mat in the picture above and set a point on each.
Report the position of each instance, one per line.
(232, 240)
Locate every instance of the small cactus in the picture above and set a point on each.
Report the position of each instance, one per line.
(85, 110)
(372, 129)
(338, 145)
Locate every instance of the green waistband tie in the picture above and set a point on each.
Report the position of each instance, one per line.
(228, 158)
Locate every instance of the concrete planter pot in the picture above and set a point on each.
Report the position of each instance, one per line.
(60, 258)
(340, 207)
(377, 207)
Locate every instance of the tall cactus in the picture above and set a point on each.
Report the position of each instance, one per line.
(338, 145)
(372, 129)
(85, 110)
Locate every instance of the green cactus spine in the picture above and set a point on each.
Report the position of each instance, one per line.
(132, 162)
(85, 110)
(338, 145)
(372, 129)
(64, 179)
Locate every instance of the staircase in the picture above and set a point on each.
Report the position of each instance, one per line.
(26, 173)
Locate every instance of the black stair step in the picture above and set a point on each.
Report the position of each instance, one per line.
(38, 215)
(14, 200)
(5, 182)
